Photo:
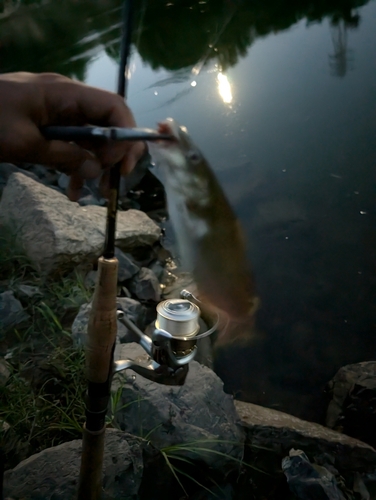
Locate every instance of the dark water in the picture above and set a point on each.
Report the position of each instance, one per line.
(281, 98)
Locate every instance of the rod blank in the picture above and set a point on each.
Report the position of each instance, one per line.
(102, 133)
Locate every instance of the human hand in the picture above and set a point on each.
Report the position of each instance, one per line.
(30, 101)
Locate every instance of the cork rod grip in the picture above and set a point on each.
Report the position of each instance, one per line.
(102, 327)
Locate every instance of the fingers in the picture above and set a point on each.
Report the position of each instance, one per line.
(130, 160)
(76, 183)
(25, 143)
(71, 103)
(31, 101)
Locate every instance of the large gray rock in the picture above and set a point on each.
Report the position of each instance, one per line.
(53, 473)
(59, 234)
(353, 406)
(11, 312)
(198, 414)
(279, 432)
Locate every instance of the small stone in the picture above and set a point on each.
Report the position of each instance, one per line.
(46, 175)
(126, 292)
(127, 268)
(63, 181)
(28, 291)
(4, 372)
(159, 270)
(11, 311)
(145, 285)
(136, 312)
(79, 326)
(90, 199)
(90, 279)
(4, 426)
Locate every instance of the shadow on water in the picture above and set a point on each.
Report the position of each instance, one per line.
(306, 331)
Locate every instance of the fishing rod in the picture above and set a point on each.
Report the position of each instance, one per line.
(103, 133)
(102, 326)
(172, 344)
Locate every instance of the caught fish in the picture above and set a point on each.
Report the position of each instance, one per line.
(208, 234)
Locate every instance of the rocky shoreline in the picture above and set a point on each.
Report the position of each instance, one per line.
(207, 444)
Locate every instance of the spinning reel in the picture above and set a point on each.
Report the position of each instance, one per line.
(173, 343)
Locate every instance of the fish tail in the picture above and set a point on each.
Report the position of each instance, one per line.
(235, 332)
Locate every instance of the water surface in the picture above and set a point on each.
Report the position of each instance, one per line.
(282, 101)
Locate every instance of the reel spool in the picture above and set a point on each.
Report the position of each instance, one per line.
(179, 317)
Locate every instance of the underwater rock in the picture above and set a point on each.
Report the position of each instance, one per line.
(309, 481)
(199, 412)
(277, 213)
(280, 432)
(53, 473)
(11, 312)
(145, 285)
(127, 268)
(352, 409)
(70, 234)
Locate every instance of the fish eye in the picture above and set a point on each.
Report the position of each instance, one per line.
(194, 156)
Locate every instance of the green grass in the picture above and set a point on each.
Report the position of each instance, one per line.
(189, 471)
(43, 403)
(42, 400)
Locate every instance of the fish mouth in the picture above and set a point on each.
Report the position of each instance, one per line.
(162, 149)
(177, 133)
(169, 127)
(173, 148)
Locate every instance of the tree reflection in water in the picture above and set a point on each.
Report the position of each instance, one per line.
(64, 35)
(341, 58)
